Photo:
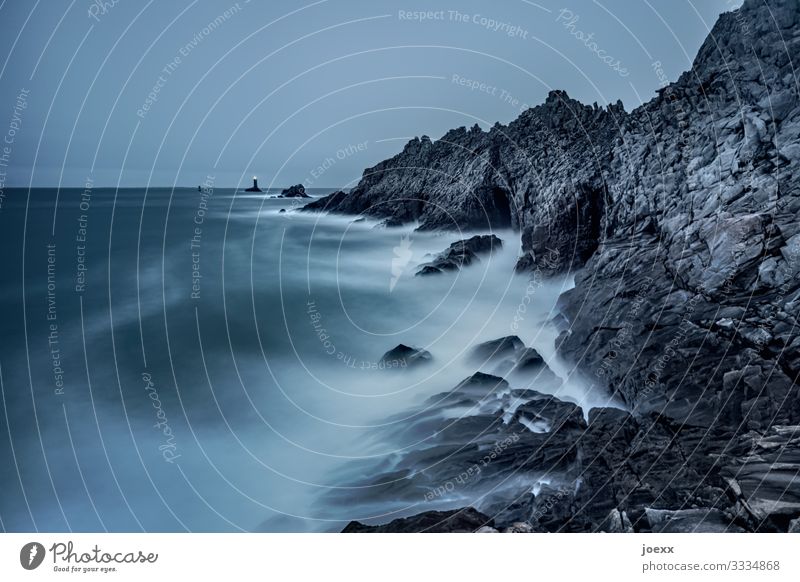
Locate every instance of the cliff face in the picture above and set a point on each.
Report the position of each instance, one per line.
(704, 229)
(681, 220)
(543, 174)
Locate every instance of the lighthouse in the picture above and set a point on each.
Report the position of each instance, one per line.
(255, 187)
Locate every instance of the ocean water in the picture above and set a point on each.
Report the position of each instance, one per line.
(182, 361)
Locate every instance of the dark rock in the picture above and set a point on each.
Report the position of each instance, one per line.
(480, 382)
(429, 270)
(461, 254)
(549, 414)
(281, 211)
(478, 244)
(529, 359)
(761, 473)
(508, 357)
(497, 349)
(296, 191)
(465, 520)
(403, 356)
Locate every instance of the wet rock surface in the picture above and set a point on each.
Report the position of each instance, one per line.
(497, 349)
(460, 254)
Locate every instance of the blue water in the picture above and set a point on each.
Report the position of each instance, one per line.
(173, 360)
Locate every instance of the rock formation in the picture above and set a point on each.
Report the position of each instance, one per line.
(403, 356)
(296, 191)
(461, 254)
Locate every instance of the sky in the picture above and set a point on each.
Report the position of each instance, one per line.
(134, 93)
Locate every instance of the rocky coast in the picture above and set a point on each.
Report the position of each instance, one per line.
(679, 221)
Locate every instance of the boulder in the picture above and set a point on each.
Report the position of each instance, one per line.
(500, 348)
(403, 356)
(461, 254)
(296, 191)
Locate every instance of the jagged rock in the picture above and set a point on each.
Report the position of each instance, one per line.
(529, 359)
(296, 191)
(763, 476)
(403, 356)
(658, 296)
(461, 254)
(480, 383)
(508, 356)
(547, 413)
(459, 520)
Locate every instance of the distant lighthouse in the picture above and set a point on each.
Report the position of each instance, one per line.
(255, 187)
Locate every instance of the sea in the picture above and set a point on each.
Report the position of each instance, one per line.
(182, 360)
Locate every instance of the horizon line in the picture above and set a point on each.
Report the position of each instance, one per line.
(83, 187)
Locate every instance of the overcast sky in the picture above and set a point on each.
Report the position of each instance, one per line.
(304, 92)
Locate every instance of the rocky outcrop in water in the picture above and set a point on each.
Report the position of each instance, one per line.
(403, 356)
(680, 220)
(500, 348)
(460, 254)
(296, 191)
